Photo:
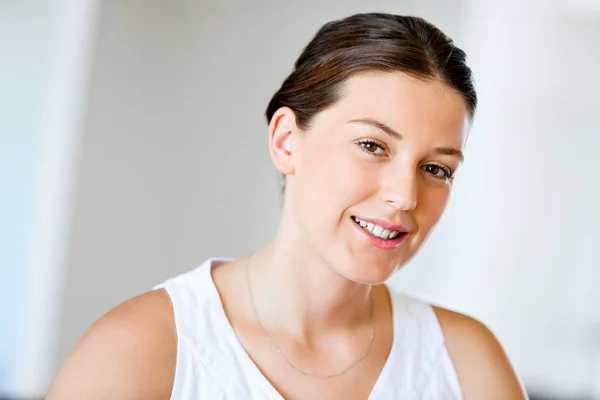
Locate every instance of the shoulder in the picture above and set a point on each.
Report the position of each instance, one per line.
(130, 352)
(481, 364)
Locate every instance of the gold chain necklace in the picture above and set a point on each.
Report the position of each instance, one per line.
(317, 376)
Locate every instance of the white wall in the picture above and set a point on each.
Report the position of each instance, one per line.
(43, 47)
(175, 165)
(520, 229)
(24, 37)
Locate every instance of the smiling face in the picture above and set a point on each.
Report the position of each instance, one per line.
(371, 176)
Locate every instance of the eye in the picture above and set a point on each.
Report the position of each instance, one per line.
(371, 147)
(438, 171)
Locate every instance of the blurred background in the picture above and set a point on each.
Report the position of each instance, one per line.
(133, 142)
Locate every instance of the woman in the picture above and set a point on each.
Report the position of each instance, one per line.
(368, 132)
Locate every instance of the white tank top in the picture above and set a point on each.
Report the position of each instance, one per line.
(213, 365)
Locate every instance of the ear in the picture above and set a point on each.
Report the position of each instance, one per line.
(282, 132)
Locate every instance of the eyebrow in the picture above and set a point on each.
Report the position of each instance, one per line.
(450, 151)
(378, 125)
(447, 151)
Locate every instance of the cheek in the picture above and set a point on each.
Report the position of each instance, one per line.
(431, 206)
(332, 180)
(349, 181)
(346, 181)
(314, 185)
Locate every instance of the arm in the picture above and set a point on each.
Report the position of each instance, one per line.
(129, 353)
(483, 369)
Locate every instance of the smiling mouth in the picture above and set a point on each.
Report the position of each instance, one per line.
(378, 231)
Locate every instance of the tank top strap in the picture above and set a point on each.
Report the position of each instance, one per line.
(422, 361)
(211, 362)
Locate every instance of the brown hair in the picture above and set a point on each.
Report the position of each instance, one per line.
(363, 42)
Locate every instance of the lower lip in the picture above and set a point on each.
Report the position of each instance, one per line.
(378, 242)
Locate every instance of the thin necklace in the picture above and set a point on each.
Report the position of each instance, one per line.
(317, 376)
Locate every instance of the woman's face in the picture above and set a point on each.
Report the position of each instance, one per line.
(372, 174)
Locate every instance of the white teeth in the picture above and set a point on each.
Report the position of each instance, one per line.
(377, 230)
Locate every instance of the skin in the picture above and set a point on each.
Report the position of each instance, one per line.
(387, 149)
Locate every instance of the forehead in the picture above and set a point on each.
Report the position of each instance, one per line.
(428, 109)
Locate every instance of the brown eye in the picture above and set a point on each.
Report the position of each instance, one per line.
(371, 147)
(438, 171)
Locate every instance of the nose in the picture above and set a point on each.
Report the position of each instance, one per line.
(400, 190)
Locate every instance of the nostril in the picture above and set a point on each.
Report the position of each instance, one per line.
(402, 204)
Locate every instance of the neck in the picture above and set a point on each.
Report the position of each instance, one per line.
(310, 296)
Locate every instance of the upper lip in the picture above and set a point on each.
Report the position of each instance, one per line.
(384, 224)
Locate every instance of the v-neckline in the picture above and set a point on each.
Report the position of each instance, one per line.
(257, 377)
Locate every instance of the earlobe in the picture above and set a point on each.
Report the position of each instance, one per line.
(282, 129)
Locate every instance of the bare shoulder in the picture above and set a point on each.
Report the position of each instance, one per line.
(129, 353)
(483, 369)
